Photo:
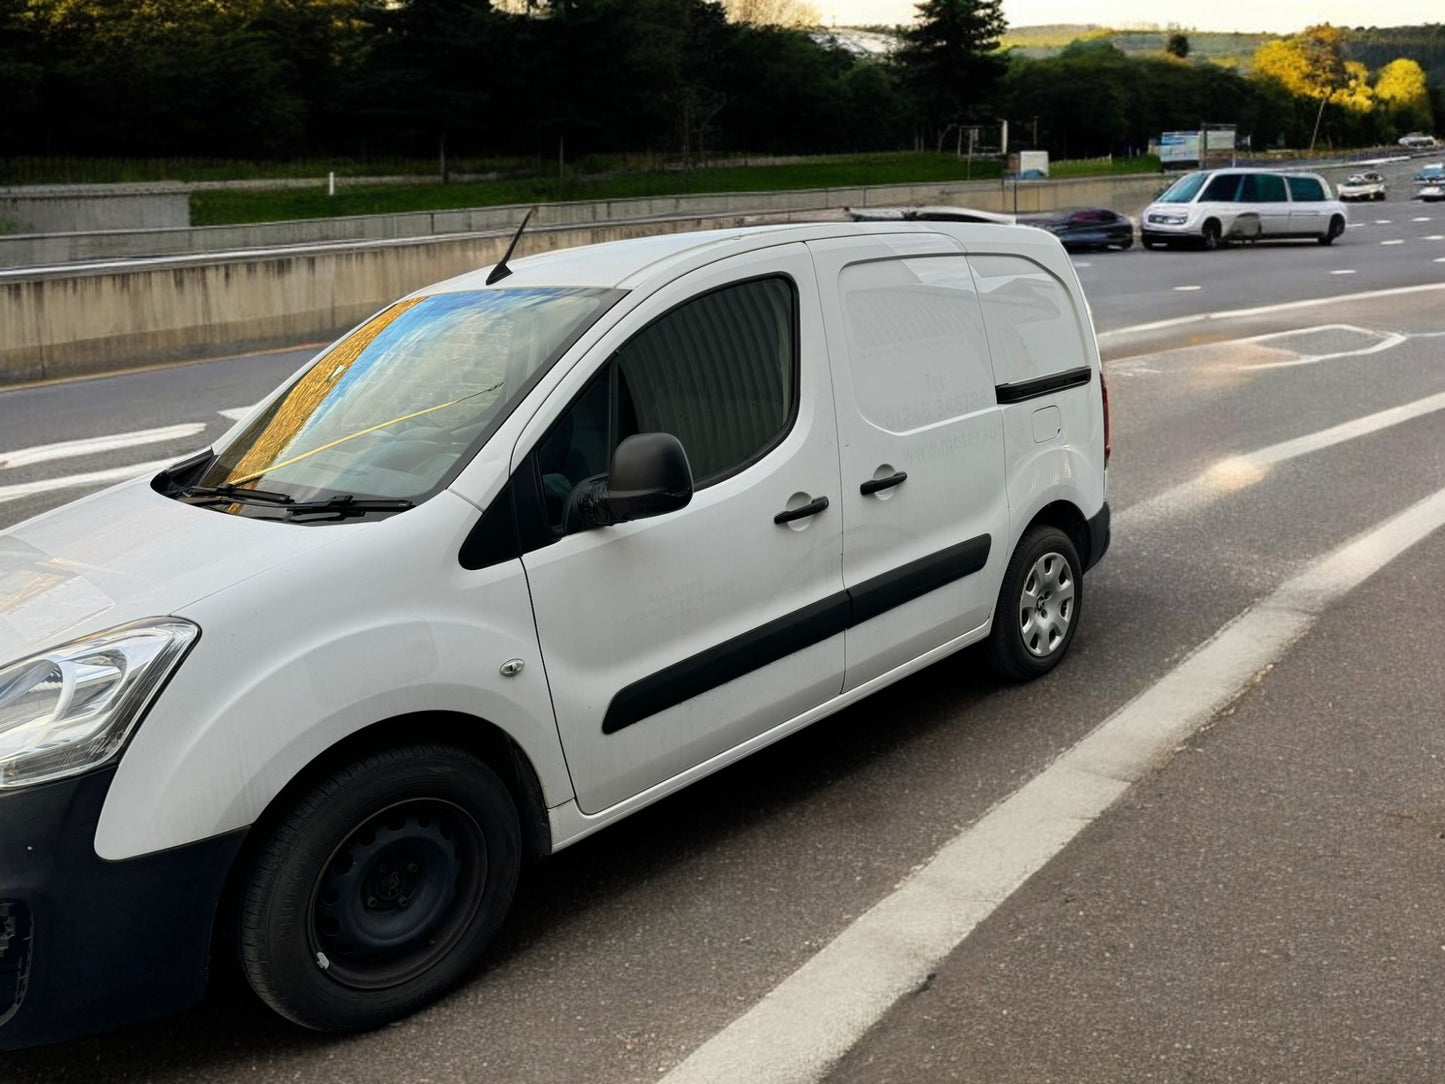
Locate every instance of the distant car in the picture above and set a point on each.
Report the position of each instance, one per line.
(1418, 139)
(1367, 185)
(1086, 227)
(1430, 182)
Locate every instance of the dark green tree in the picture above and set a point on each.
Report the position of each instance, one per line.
(950, 62)
(1178, 44)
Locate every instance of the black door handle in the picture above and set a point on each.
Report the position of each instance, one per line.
(812, 508)
(873, 485)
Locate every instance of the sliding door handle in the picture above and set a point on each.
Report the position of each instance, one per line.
(873, 485)
(812, 508)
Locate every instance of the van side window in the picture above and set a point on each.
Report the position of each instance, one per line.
(719, 372)
(1306, 189)
(1262, 188)
(1223, 188)
(1033, 328)
(916, 347)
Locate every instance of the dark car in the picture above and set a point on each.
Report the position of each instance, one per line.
(1086, 227)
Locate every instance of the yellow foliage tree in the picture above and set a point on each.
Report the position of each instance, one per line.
(1400, 87)
(1312, 64)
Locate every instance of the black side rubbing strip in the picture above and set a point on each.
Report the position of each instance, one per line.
(730, 659)
(917, 578)
(791, 633)
(1043, 385)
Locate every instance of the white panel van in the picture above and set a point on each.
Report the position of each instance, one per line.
(524, 552)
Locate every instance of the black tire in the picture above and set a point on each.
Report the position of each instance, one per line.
(1126, 244)
(1337, 227)
(1209, 236)
(1022, 646)
(379, 888)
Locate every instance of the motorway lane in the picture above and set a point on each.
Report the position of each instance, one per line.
(632, 948)
(1264, 908)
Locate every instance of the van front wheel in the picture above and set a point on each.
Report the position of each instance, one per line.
(1038, 606)
(380, 887)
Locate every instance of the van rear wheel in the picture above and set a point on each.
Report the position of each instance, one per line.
(1038, 606)
(380, 887)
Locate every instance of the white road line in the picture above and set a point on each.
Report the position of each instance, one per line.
(1343, 272)
(1382, 221)
(1236, 472)
(1396, 241)
(94, 478)
(235, 414)
(42, 453)
(1434, 237)
(1422, 218)
(1269, 310)
(1384, 340)
(811, 1019)
(1187, 289)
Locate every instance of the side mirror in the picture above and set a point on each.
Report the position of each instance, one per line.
(649, 475)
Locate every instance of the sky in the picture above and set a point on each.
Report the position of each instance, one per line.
(1277, 16)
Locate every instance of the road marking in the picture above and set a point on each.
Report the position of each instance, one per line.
(1422, 218)
(42, 453)
(1269, 310)
(94, 478)
(1434, 237)
(235, 414)
(1187, 289)
(1382, 221)
(1343, 272)
(1384, 340)
(806, 1023)
(1240, 471)
(1396, 241)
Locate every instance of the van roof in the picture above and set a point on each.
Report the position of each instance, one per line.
(628, 263)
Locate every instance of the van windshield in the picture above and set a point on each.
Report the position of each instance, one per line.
(1184, 189)
(390, 411)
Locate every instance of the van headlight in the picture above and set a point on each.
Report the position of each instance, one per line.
(71, 709)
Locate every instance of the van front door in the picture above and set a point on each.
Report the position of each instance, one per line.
(924, 507)
(672, 641)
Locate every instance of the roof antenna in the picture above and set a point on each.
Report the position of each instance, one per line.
(501, 271)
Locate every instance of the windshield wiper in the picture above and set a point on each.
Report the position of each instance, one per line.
(346, 504)
(231, 493)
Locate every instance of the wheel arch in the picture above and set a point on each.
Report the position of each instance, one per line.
(1067, 517)
(488, 742)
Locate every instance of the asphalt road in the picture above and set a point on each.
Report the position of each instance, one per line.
(1262, 905)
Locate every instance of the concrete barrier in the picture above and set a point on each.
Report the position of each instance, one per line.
(1126, 194)
(60, 322)
(44, 209)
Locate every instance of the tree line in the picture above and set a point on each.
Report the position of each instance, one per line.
(275, 79)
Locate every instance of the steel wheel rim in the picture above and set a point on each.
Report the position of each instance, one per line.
(397, 894)
(1046, 605)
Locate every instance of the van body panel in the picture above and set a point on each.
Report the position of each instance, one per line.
(914, 393)
(381, 624)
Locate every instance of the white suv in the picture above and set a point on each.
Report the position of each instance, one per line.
(1212, 207)
(523, 553)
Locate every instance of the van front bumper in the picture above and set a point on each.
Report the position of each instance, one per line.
(88, 945)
